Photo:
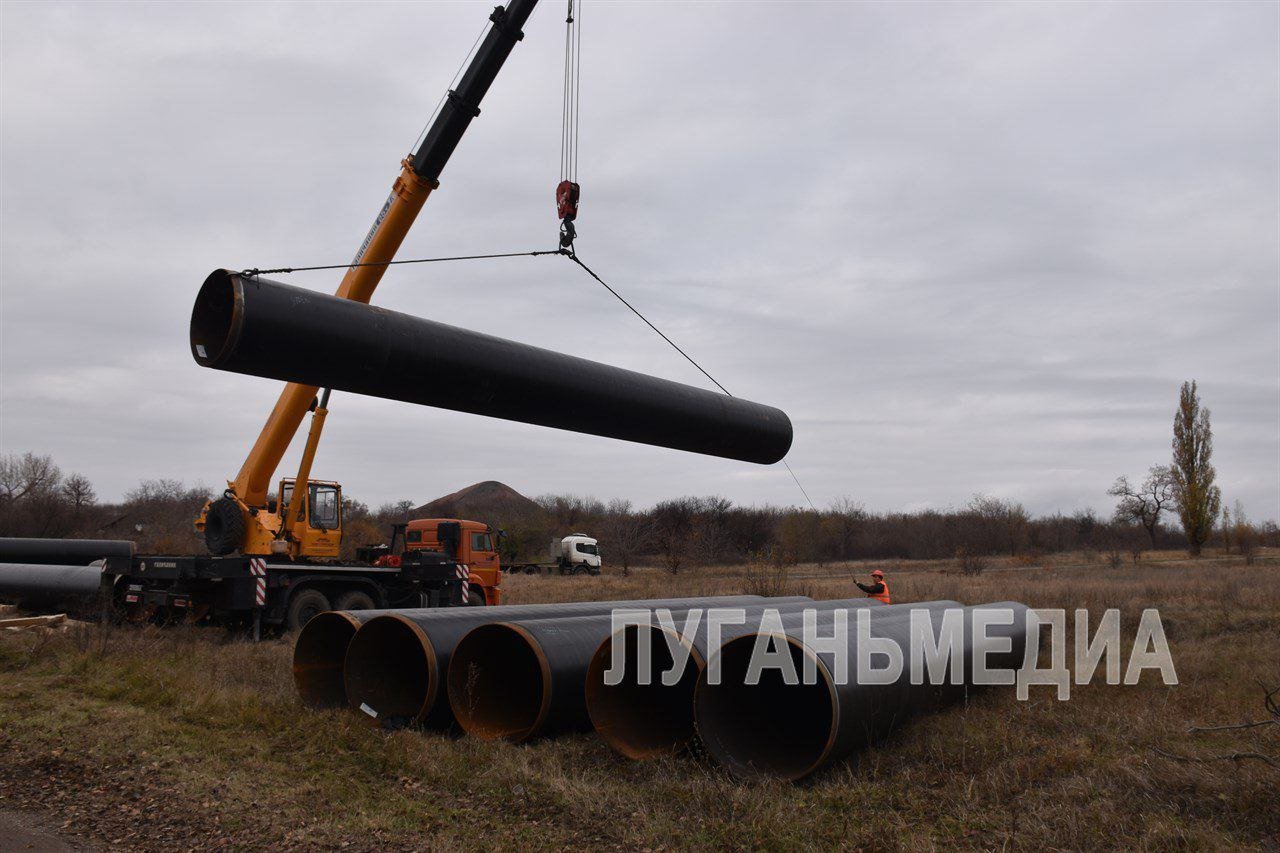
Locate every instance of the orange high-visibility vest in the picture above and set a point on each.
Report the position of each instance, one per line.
(884, 595)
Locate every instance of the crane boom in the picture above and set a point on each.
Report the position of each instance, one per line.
(419, 175)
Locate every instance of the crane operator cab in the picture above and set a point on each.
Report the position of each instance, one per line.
(312, 531)
(322, 532)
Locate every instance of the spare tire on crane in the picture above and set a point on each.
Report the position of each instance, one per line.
(223, 527)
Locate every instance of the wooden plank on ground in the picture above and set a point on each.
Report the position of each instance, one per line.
(34, 621)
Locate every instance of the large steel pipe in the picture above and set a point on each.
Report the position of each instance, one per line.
(784, 730)
(396, 664)
(42, 586)
(318, 654)
(321, 647)
(62, 552)
(519, 679)
(264, 328)
(640, 715)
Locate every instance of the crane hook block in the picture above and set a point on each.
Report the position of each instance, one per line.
(567, 201)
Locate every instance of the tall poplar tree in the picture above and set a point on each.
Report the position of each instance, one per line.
(1198, 499)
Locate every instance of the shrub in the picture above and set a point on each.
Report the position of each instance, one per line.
(970, 563)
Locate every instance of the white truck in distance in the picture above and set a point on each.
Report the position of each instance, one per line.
(575, 554)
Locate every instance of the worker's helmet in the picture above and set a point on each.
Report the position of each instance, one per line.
(877, 573)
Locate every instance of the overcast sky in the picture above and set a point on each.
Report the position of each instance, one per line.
(966, 247)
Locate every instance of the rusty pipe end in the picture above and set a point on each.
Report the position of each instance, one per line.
(769, 729)
(390, 671)
(500, 683)
(640, 720)
(318, 655)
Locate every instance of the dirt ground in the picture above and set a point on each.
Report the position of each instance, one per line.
(139, 738)
(21, 831)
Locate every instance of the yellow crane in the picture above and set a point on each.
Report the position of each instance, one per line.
(306, 520)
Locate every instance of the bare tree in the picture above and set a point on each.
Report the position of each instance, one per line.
(673, 524)
(709, 537)
(1243, 534)
(27, 475)
(1144, 504)
(625, 533)
(32, 500)
(79, 492)
(570, 512)
(401, 510)
(161, 513)
(844, 519)
(998, 525)
(1225, 529)
(1198, 499)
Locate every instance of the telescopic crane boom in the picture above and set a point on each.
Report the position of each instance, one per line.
(241, 520)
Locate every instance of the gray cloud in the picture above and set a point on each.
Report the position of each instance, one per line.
(966, 247)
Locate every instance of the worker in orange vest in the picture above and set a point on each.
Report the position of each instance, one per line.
(877, 588)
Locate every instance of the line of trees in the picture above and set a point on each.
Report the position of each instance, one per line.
(686, 532)
(38, 499)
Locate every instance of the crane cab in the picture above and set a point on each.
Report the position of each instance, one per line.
(321, 534)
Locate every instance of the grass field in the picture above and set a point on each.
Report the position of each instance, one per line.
(153, 739)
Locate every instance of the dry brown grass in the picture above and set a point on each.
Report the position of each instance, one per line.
(160, 737)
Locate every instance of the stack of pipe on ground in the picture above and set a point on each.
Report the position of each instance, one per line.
(523, 671)
(398, 666)
(789, 730)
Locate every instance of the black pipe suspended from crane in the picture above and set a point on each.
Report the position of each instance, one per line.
(259, 327)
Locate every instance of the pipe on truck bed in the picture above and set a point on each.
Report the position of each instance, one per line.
(259, 327)
(788, 731)
(518, 679)
(62, 552)
(646, 720)
(42, 586)
(396, 664)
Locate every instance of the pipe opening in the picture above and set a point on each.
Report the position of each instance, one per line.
(642, 720)
(216, 317)
(770, 728)
(499, 683)
(390, 671)
(317, 659)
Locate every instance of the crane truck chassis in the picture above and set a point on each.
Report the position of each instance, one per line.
(429, 563)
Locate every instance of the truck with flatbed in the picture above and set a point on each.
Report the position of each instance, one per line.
(575, 554)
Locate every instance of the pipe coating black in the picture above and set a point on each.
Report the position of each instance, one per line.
(396, 664)
(259, 327)
(62, 552)
(519, 679)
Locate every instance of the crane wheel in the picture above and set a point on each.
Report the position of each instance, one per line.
(354, 600)
(223, 527)
(304, 604)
